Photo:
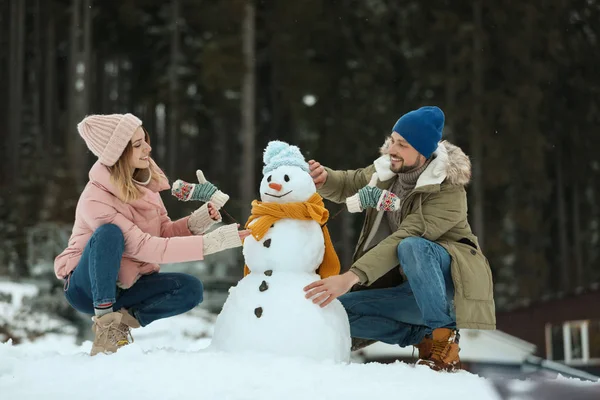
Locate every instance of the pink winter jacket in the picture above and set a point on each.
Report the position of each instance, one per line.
(151, 237)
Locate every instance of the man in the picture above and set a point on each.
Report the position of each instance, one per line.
(425, 272)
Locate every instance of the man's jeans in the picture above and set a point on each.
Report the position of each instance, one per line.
(404, 314)
(152, 297)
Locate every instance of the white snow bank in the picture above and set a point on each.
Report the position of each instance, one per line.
(169, 361)
(18, 320)
(18, 291)
(144, 372)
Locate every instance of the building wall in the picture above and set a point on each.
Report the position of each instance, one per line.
(529, 323)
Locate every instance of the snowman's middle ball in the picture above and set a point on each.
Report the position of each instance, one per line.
(290, 244)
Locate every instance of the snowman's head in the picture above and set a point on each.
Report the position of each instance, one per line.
(286, 184)
(286, 176)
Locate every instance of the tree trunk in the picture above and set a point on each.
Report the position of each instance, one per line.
(49, 82)
(76, 148)
(161, 135)
(15, 97)
(38, 171)
(16, 81)
(117, 104)
(38, 139)
(35, 77)
(220, 148)
(562, 223)
(4, 100)
(173, 111)
(79, 86)
(104, 88)
(248, 128)
(450, 89)
(87, 56)
(4, 79)
(73, 49)
(477, 125)
(593, 231)
(577, 242)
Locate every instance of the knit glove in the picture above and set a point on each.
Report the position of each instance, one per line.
(372, 196)
(223, 238)
(200, 220)
(201, 191)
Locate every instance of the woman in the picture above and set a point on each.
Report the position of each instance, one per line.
(122, 232)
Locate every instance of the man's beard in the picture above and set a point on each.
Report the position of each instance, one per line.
(403, 168)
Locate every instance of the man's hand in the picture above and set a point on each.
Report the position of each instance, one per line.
(373, 197)
(326, 290)
(318, 173)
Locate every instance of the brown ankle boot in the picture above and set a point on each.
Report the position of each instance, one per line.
(444, 351)
(112, 331)
(425, 348)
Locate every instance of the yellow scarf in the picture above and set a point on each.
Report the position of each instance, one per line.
(313, 208)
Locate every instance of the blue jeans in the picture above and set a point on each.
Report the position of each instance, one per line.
(152, 297)
(404, 314)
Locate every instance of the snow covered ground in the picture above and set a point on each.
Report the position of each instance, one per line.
(169, 360)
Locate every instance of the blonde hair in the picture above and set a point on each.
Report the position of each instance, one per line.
(122, 174)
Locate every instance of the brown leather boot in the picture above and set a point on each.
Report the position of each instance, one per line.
(444, 351)
(112, 331)
(425, 347)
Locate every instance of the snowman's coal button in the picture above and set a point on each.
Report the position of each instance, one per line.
(267, 243)
(269, 272)
(258, 312)
(263, 286)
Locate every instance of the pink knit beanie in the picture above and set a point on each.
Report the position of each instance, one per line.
(107, 135)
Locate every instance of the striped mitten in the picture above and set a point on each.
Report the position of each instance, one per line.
(373, 197)
(201, 191)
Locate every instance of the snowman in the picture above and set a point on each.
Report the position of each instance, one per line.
(289, 248)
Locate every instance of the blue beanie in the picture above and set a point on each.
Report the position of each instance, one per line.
(280, 153)
(422, 128)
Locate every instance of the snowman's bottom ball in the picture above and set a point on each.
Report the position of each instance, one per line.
(271, 314)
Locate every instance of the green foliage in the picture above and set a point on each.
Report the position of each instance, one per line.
(365, 63)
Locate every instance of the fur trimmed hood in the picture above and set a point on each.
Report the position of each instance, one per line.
(449, 164)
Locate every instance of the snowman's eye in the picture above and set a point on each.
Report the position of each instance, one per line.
(286, 178)
(269, 178)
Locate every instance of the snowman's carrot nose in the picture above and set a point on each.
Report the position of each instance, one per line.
(275, 186)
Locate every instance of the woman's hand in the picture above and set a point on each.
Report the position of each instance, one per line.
(201, 191)
(223, 238)
(244, 233)
(213, 212)
(203, 218)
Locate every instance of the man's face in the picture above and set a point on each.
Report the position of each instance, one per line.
(403, 156)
